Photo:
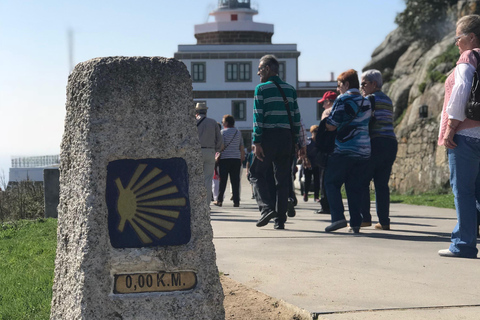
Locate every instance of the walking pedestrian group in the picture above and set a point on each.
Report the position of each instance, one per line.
(353, 145)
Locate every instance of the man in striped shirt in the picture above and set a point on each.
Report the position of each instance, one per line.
(274, 140)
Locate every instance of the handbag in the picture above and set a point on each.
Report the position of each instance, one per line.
(472, 109)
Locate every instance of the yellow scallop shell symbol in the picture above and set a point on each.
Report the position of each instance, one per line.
(134, 202)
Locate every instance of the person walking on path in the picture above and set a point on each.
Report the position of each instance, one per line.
(231, 159)
(461, 136)
(275, 133)
(211, 141)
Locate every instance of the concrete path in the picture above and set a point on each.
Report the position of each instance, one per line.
(376, 274)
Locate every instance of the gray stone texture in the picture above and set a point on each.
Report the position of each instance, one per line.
(128, 108)
(421, 164)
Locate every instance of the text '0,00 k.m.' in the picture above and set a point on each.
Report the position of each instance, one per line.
(154, 282)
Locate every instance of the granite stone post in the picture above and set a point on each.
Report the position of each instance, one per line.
(134, 234)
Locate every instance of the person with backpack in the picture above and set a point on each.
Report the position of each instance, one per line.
(461, 136)
(384, 150)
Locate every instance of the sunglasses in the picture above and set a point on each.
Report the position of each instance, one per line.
(364, 84)
(458, 37)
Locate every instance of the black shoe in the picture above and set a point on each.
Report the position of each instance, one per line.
(265, 218)
(354, 229)
(279, 225)
(322, 211)
(236, 205)
(336, 225)
(291, 208)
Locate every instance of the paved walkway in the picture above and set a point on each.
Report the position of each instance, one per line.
(376, 274)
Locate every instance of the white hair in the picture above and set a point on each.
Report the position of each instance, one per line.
(373, 75)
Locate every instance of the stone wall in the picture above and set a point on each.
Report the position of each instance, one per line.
(421, 164)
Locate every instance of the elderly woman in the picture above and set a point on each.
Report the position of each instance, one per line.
(462, 138)
(231, 160)
(384, 150)
(346, 165)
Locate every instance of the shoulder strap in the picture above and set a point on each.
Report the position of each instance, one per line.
(477, 56)
(371, 98)
(198, 123)
(231, 140)
(287, 106)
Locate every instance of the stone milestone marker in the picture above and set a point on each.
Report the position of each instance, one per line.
(134, 234)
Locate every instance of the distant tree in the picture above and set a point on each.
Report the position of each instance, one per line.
(429, 20)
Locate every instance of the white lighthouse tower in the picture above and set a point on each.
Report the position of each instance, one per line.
(223, 66)
(233, 24)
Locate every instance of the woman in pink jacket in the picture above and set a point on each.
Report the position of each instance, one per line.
(462, 138)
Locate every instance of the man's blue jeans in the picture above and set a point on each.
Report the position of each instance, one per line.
(464, 163)
(351, 172)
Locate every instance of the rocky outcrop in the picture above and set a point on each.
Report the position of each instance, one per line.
(421, 164)
(387, 54)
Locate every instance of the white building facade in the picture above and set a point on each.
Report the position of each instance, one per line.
(223, 66)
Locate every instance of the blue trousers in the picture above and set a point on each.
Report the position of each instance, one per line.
(379, 168)
(351, 172)
(464, 163)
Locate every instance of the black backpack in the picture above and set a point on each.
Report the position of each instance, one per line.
(472, 110)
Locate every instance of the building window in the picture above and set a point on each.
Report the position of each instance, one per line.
(281, 71)
(238, 71)
(199, 72)
(239, 110)
(234, 17)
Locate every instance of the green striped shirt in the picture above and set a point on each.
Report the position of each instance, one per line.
(269, 109)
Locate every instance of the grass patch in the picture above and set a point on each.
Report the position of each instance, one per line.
(422, 86)
(439, 200)
(27, 259)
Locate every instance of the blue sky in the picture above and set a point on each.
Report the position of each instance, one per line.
(332, 36)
